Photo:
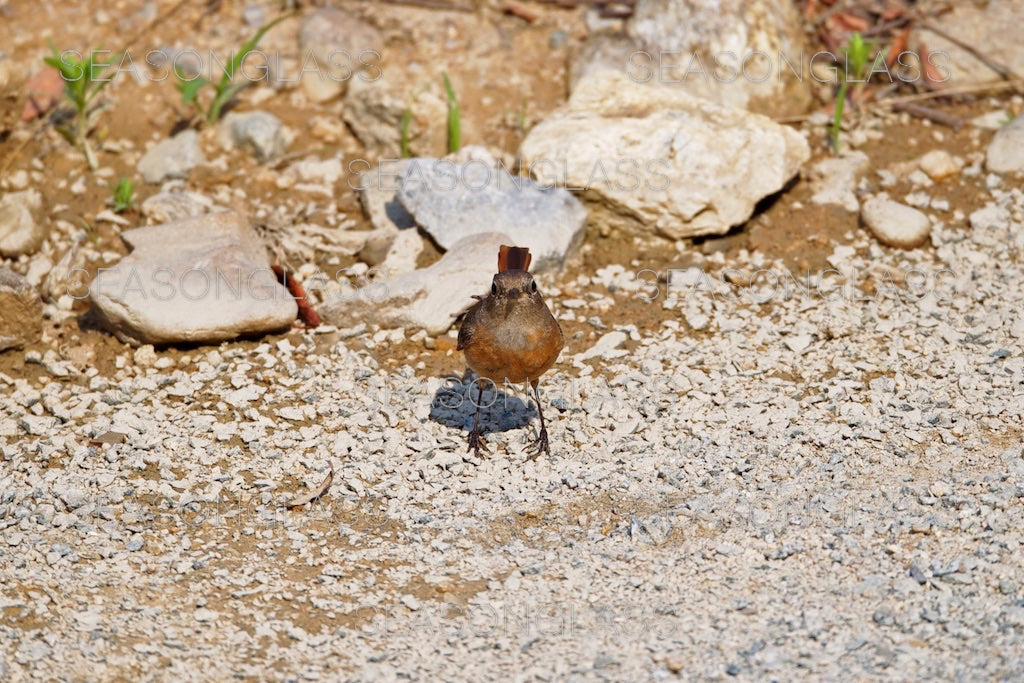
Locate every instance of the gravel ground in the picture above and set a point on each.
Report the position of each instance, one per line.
(823, 485)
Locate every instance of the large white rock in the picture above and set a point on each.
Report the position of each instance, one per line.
(743, 53)
(993, 26)
(650, 158)
(203, 279)
(452, 200)
(430, 298)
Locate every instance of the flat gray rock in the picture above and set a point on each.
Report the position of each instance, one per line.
(172, 158)
(452, 200)
(201, 279)
(21, 311)
(20, 232)
(650, 158)
(1005, 153)
(430, 298)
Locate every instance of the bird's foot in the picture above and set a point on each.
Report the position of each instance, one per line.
(477, 443)
(539, 446)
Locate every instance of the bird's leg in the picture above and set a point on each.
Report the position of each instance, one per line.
(541, 444)
(476, 442)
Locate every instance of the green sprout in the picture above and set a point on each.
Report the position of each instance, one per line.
(521, 117)
(403, 129)
(858, 53)
(454, 118)
(83, 82)
(123, 198)
(225, 89)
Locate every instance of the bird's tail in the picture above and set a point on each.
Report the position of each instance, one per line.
(513, 258)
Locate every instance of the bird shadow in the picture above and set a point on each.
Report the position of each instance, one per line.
(455, 402)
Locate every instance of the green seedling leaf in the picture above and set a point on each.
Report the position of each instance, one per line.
(190, 89)
(124, 195)
(837, 117)
(248, 46)
(454, 117)
(403, 129)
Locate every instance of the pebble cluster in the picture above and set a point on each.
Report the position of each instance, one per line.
(825, 480)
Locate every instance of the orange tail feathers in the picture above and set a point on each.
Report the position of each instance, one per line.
(513, 258)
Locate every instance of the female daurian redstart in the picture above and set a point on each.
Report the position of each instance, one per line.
(510, 335)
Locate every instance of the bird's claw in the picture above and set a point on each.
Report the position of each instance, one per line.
(476, 444)
(539, 446)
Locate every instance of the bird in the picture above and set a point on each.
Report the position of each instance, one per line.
(511, 335)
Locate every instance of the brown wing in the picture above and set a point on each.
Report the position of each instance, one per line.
(469, 324)
(513, 258)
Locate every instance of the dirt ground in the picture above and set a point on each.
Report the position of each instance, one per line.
(788, 228)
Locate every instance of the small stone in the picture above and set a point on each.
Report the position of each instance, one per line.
(834, 180)
(172, 158)
(165, 207)
(73, 498)
(292, 413)
(38, 425)
(607, 347)
(940, 164)
(993, 120)
(940, 489)
(254, 15)
(799, 342)
(20, 233)
(145, 356)
(325, 171)
(260, 131)
(336, 46)
(411, 602)
(895, 224)
(1005, 153)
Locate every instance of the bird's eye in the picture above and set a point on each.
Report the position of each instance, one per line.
(494, 288)
(533, 286)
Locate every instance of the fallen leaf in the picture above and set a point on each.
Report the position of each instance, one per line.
(932, 76)
(307, 314)
(897, 46)
(850, 22)
(315, 493)
(894, 12)
(517, 10)
(44, 92)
